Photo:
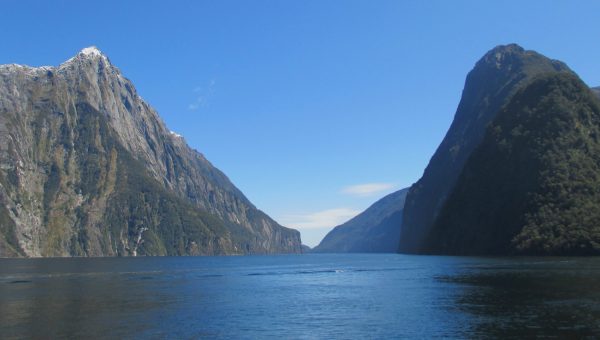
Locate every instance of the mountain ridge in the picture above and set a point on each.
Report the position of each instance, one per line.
(531, 187)
(377, 229)
(44, 101)
(494, 78)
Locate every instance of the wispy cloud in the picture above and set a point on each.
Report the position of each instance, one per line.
(367, 189)
(203, 93)
(319, 219)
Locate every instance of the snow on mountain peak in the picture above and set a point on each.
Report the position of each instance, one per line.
(92, 51)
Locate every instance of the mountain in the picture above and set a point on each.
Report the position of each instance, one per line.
(533, 185)
(596, 91)
(491, 83)
(375, 230)
(88, 168)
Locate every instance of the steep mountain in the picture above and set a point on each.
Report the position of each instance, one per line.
(491, 83)
(533, 185)
(375, 230)
(88, 168)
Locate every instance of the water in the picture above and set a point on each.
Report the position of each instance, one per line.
(301, 296)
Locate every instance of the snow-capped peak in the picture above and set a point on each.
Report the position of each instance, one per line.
(92, 51)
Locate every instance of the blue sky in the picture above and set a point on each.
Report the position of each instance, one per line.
(314, 109)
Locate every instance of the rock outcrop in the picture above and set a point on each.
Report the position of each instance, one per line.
(88, 168)
(533, 185)
(493, 81)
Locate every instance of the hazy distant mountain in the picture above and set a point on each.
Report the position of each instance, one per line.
(88, 168)
(375, 230)
(533, 185)
(489, 86)
(596, 91)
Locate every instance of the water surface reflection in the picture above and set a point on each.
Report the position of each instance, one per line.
(529, 297)
(311, 296)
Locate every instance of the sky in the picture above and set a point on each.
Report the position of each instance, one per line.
(315, 109)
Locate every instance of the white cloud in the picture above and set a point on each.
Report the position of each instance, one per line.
(195, 105)
(367, 189)
(319, 219)
(202, 95)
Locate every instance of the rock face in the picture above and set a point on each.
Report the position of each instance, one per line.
(489, 86)
(88, 168)
(376, 230)
(533, 185)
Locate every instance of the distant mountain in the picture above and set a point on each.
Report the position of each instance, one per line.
(596, 91)
(376, 230)
(489, 86)
(88, 168)
(533, 185)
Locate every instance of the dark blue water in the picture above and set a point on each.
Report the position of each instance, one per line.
(304, 296)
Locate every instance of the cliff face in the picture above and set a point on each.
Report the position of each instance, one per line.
(375, 230)
(533, 185)
(88, 168)
(491, 83)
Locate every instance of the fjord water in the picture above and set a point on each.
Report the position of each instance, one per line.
(299, 296)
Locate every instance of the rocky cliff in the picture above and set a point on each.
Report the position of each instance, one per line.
(88, 168)
(491, 83)
(533, 185)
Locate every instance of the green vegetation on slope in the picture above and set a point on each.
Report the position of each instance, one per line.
(9, 245)
(533, 185)
(141, 216)
(88, 168)
(99, 200)
(490, 85)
